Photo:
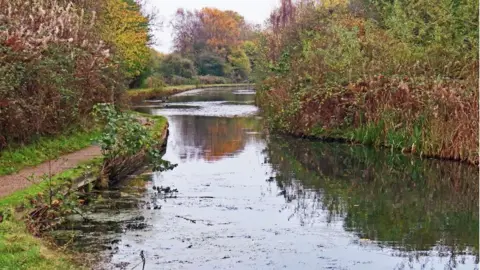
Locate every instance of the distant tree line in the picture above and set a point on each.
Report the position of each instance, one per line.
(210, 46)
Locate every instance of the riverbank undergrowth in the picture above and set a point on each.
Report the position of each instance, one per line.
(363, 72)
(40, 207)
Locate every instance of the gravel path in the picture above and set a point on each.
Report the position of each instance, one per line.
(21, 180)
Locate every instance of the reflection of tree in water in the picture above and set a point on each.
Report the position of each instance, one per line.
(211, 138)
(224, 138)
(404, 203)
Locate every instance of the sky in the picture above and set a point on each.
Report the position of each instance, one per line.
(254, 11)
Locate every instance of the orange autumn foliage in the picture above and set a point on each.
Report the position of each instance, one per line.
(221, 27)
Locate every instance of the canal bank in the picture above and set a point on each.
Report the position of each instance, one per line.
(250, 200)
(52, 191)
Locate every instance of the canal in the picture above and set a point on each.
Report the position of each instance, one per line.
(252, 200)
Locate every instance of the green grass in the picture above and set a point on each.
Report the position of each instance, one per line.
(15, 158)
(376, 134)
(18, 248)
(18, 197)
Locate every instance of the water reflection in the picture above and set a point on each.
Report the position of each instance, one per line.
(209, 138)
(430, 206)
(214, 102)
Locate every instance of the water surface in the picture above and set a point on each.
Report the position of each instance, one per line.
(251, 201)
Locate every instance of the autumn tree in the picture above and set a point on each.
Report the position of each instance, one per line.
(213, 39)
(188, 34)
(126, 28)
(221, 29)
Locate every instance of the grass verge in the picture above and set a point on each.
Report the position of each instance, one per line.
(15, 158)
(18, 248)
(18, 197)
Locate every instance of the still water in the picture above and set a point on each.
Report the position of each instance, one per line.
(249, 200)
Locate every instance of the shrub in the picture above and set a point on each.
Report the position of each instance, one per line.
(211, 64)
(125, 140)
(54, 68)
(178, 80)
(175, 65)
(240, 65)
(155, 81)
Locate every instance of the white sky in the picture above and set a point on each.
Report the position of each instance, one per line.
(255, 11)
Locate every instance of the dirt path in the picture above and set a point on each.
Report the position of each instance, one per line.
(21, 180)
(13, 182)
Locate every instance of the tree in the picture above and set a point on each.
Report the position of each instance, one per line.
(240, 65)
(124, 26)
(175, 65)
(188, 32)
(207, 29)
(221, 29)
(209, 63)
(213, 39)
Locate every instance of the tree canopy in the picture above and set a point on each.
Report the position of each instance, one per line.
(213, 39)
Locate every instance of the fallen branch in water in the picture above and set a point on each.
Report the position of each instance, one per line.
(142, 256)
(191, 220)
